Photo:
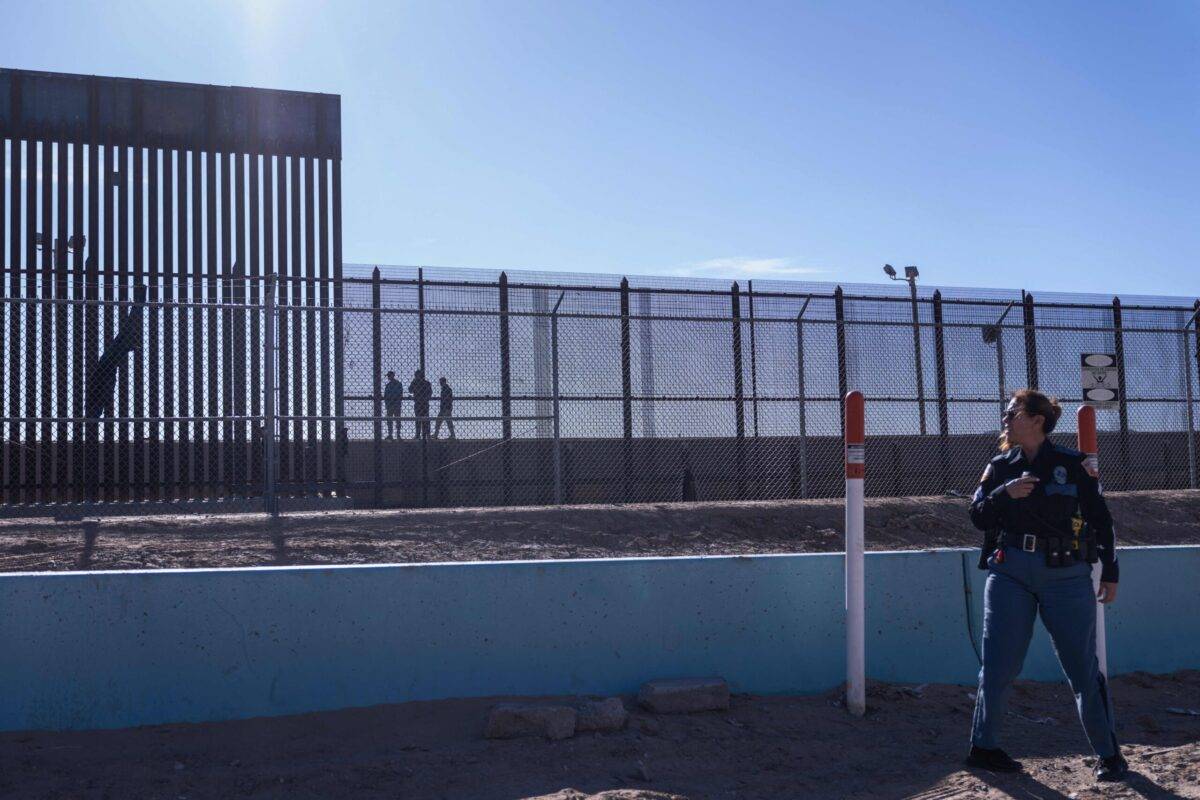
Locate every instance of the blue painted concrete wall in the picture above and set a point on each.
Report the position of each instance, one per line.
(114, 649)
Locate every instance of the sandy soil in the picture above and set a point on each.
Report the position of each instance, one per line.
(598, 531)
(910, 744)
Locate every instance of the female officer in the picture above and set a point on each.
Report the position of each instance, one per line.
(1037, 495)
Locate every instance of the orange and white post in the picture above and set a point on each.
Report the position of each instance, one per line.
(856, 681)
(1089, 446)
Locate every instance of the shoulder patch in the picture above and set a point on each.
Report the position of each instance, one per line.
(988, 472)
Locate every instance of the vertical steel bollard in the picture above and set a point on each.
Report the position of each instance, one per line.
(1089, 445)
(377, 378)
(270, 501)
(856, 697)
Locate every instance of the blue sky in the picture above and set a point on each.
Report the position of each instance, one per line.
(1051, 146)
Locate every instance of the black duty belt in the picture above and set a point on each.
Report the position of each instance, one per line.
(1032, 543)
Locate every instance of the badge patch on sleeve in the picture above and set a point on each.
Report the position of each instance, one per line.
(987, 473)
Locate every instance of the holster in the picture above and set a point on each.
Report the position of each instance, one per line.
(1087, 545)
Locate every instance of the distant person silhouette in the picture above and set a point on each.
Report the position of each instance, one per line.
(421, 391)
(445, 409)
(393, 399)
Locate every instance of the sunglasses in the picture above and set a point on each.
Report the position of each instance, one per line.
(1010, 413)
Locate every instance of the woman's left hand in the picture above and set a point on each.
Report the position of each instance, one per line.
(1107, 593)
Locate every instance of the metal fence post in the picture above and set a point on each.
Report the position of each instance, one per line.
(1191, 439)
(626, 393)
(739, 400)
(939, 352)
(270, 500)
(423, 426)
(558, 485)
(377, 377)
(1122, 401)
(420, 312)
(1031, 365)
(505, 391)
(1191, 423)
(1187, 375)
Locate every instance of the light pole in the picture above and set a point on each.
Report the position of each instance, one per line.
(910, 275)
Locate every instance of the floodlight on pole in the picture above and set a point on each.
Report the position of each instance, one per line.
(890, 271)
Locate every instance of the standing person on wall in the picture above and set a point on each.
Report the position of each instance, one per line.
(393, 398)
(1047, 522)
(421, 391)
(445, 408)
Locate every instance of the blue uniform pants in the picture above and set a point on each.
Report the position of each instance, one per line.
(1017, 590)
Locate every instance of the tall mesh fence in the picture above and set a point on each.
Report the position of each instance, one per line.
(535, 388)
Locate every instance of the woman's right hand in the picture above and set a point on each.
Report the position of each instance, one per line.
(1020, 487)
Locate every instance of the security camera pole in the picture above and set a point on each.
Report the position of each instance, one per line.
(910, 275)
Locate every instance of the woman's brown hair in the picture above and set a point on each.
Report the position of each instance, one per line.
(1035, 404)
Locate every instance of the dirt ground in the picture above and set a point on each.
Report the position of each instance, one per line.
(487, 534)
(910, 744)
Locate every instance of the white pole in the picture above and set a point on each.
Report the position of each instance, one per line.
(856, 682)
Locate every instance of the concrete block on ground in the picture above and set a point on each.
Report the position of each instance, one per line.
(511, 720)
(601, 715)
(685, 695)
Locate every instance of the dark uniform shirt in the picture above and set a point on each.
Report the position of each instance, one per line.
(1064, 488)
(446, 399)
(393, 392)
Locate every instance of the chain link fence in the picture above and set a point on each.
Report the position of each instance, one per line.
(536, 388)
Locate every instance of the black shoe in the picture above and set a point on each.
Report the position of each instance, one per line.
(1113, 768)
(994, 760)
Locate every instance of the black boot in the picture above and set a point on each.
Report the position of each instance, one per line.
(994, 760)
(1113, 768)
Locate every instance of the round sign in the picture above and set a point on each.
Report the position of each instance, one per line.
(1098, 360)
(1101, 395)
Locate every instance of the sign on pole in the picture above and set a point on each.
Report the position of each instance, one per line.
(1098, 376)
